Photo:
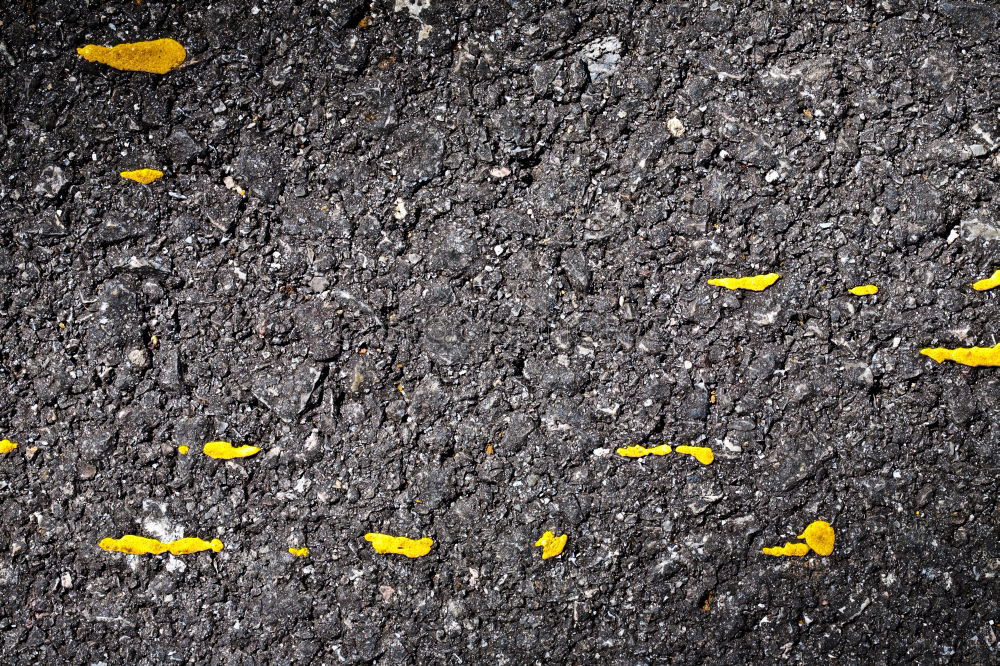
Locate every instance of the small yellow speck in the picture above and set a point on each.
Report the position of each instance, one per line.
(183, 450)
(226, 451)
(137, 545)
(156, 57)
(864, 290)
(972, 356)
(819, 536)
(385, 544)
(641, 451)
(702, 454)
(365, 22)
(989, 283)
(7, 446)
(62, 325)
(299, 552)
(551, 545)
(807, 113)
(489, 449)
(144, 176)
(753, 283)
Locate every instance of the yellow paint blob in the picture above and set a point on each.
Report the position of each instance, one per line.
(156, 57)
(702, 454)
(864, 290)
(299, 552)
(640, 451)
(974, 356)
(551, 544)
(789, 549)
(384, 543)
(819, 536)
(144, 176)
(6, 446)
(226, 451)
(988, 283)
(755, 283)
(137, 545)
(183, 450)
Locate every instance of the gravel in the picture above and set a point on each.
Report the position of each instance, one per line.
(439, 260)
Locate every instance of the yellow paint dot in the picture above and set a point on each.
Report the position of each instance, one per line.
(754, 283)
(819, 536)
(972, 356)
(137, 545)
(183, 450)
(299, 552)
(551, 544)
(156, 57)
(864, 290)
(640, 451)
(702, 454)
(144, 176)
(226, 451)
(7, 446)
(988, 283)
(386, 544)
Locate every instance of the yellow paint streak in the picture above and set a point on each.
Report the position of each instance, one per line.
(384, 543)
(299, 552)
(144, 176)
(156, 57)
(137, 545)
(183, 450)
(6, 446)
(988, 283)
(864, 290)
(789, 549)
(226, 451)
(640, 451)
(754, 283)
(973, 356)
(702, 454)
(551, 544)
(819, 536)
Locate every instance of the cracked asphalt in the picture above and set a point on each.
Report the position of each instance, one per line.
(439, 259)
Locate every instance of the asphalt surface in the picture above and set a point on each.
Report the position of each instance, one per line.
(470, 262)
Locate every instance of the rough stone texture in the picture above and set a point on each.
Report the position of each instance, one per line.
(489, 202)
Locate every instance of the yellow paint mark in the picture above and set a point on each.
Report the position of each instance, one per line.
(226, 451)
(819, 538)
(384, 543)
(864, 290)
(702, 454)
(365, 22)
(299, 552)
(755, 283)
(156, 57)
(489, 449)
(551, 545)
(988, 283)
(144, 176)
(789, 549)
(183, 450)
(137, 545)
(807, 113)
(640, 451)
(974, 356)
(6, 446)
